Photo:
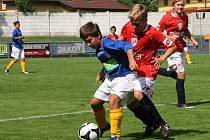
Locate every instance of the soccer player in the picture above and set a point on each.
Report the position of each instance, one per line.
(17, 49)
(149, 40)
(176, 23)
(147, 79)
(113, 34)
(118, 62)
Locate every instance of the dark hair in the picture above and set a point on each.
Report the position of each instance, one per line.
(113, 27)
(16, 22)
(89, 29)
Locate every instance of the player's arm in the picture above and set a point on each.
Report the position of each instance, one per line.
(19, 37)
(123, 34)
(132, 62)
(188, 34)
(14, 34)
(121, 37)
(166, 43)
(161, 59)
(127, 47)
(161, 24)
(15, 37)
(101, 76)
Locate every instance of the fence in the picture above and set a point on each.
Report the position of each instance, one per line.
(76, 48)
(68, 23)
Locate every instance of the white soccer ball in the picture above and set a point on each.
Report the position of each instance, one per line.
(89, 131)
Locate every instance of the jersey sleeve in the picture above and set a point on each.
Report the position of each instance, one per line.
(124, 32)
(14, 34)
(117, 45)
(162, 24)
(109, 36)
(162, 40)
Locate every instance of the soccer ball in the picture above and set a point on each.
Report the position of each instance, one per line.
(89, 131)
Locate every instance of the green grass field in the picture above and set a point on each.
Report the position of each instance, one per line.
(63, 86)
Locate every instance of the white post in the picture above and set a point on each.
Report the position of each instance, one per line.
(108, 21)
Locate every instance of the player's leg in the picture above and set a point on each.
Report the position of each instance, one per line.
(133, 106)
(180, 89)
(16, 55)
(23, 66)
(187, 55)
(99, 112)
(100, 97)
(115, 116)
(144, 108)
(121, 87)
(138, 112)
(22, 62)
(167, 73)
(10, 65)
(142, 116)
(145, 105)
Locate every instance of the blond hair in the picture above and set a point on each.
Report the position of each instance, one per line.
(175, 1)
(138, 11)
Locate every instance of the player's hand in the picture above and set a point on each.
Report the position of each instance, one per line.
(196, 44)
(133, 66)
(100, 77)
(157, 61)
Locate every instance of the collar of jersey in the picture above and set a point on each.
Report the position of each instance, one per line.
(173, 15)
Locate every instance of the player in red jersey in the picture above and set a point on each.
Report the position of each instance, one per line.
(148, 40)
(128, 33)
(176, 23)
(113, 34)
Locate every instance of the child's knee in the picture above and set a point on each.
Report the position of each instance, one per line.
(96, 104)
(138, 95)
(16, 60)
(114, 102)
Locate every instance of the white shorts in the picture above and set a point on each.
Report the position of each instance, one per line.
(177, 62)
(186, 49)
(147, 85)
(119, 86)
(17, 53)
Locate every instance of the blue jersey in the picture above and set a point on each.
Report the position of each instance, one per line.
(113, 56)
(17, 42)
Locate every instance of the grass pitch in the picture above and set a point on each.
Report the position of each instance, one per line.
(53, 101)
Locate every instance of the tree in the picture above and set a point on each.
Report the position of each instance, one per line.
(24, 5)
(152, 5)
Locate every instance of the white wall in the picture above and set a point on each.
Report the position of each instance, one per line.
(68, 23)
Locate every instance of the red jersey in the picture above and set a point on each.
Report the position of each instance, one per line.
(128, 32)
(175, 25)
(112, 36)
(146, 49)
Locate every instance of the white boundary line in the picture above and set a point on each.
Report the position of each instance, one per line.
(75, 113)
(43, 116)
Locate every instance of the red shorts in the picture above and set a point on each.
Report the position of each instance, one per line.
(149, 71)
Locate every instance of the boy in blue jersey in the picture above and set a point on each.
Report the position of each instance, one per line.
(118, 63)
(17, 49)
